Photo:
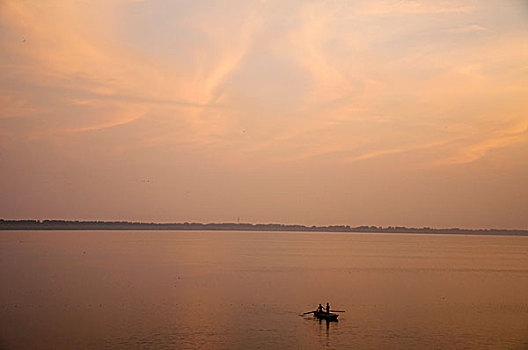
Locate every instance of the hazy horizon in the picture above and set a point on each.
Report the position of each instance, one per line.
(400, 113)
(235, 223)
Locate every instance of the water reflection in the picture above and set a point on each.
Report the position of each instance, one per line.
(225, 290)
(327, 325)
(325, 331)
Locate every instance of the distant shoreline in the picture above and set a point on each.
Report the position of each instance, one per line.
(126, 225)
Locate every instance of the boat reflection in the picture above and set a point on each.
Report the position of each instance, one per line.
(324, 331)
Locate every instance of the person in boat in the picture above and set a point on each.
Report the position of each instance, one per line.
(327, 308)
(320, 308)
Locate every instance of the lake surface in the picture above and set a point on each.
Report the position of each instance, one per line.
(245, 290)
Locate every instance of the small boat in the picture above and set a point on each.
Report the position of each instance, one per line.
(325, 316)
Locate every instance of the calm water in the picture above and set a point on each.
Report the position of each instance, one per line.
(240, 290)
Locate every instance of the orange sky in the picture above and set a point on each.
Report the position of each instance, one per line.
(312, 112)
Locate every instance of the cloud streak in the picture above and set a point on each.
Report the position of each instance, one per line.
(468, 29)
(477, 149)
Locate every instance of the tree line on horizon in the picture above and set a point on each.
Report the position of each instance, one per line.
(128, 225)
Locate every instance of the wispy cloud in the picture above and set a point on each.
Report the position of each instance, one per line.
(468, 29)
(71, 55)
(384, 8)
(376, 154)
(476, 149)
(13, 106)
(349, 86)
(102, 126)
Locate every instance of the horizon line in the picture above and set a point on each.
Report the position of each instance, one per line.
(341, 227)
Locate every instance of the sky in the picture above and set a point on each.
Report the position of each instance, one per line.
(400, 112)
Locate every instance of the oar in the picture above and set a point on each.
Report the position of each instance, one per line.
(309, 312)
(337, 311)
